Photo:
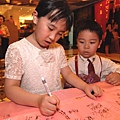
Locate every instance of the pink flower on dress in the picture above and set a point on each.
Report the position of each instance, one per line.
(47, 56)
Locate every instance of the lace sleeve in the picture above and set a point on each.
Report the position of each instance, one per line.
(13, 64)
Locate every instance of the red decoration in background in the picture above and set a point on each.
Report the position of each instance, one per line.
(102, 13)
(1, 32)
(116, 4)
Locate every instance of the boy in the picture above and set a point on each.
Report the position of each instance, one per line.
(89, 38)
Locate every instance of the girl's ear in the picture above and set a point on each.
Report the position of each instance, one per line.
(100, 43)
(35, 17)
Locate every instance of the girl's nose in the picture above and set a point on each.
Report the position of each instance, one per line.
(52, 36)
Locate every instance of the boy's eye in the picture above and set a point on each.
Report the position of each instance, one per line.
(81, 41)
(92, 42)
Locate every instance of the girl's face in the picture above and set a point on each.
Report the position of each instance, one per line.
(47, 32)
(88, 43)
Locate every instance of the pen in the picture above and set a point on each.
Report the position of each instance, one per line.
(92, 92)
(46, 86)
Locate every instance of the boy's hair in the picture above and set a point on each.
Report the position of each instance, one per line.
(90, 25)
(46, 7)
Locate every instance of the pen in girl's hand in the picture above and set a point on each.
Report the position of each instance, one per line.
(47, 89)
(46, 86)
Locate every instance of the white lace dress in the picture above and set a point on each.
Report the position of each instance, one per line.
(27, 63)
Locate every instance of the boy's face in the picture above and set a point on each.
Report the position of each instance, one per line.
(88, 43)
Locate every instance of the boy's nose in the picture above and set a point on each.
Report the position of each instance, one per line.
(86, 46)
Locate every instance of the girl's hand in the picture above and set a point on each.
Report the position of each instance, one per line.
(48, 105)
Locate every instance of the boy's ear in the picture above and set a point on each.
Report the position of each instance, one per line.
(35, 17)
(100, 43)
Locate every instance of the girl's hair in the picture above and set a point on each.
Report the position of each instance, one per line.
(90, 25)
(46, 7)
(3, 18)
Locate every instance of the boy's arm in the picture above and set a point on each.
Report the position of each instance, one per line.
(113, 78)
(108, 66)
(75, 81)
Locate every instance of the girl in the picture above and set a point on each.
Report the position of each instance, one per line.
(38, 55)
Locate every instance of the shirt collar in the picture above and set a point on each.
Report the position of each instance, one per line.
(92, 59)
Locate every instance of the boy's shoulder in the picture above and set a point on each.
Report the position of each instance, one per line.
(103, 58)
(95, 56)
(73, 57)
(105, 61)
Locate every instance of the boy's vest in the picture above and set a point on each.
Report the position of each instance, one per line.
(90, 78)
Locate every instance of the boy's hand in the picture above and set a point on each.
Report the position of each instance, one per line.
(93, 91)
(113, 78)
(48, 105)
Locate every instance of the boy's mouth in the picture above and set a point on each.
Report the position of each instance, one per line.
(86, 52)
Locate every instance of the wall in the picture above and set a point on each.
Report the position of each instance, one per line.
(82, 13)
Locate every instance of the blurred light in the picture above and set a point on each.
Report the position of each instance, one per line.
(8, 1)
(30, 1)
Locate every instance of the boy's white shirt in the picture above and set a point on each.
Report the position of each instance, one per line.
(106, 68)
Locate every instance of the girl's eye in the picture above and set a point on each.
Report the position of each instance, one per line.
(60, 34)
(50, 28)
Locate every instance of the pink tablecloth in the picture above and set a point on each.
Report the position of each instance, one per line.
(74, 105)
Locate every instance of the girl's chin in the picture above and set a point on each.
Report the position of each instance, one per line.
(44, 46)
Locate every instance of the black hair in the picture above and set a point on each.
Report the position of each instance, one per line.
(90, 25)
(46, 7)
(3, 18)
